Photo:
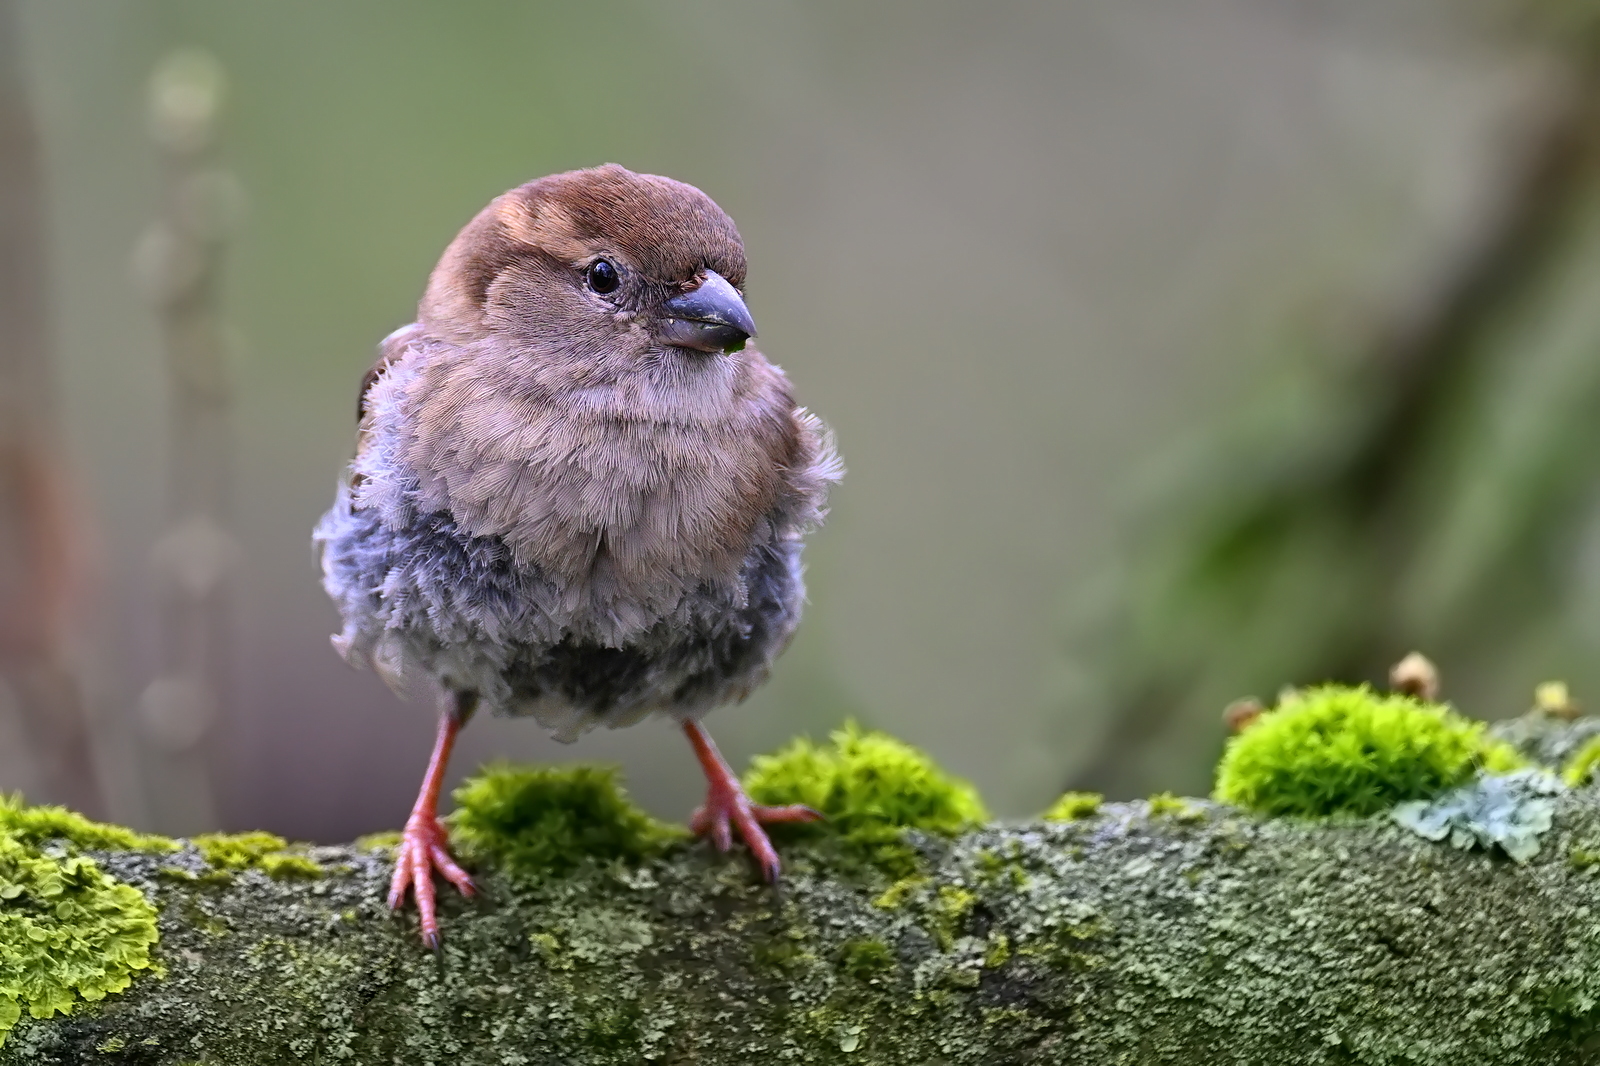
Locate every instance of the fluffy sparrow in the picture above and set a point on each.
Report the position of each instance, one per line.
(578, 493)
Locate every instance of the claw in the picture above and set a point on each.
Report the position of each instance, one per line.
(421, 852)
(727, 808)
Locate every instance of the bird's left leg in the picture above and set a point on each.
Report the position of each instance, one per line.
(422, 847)
(728, 808)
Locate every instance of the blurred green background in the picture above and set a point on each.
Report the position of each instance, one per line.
(1177, 351)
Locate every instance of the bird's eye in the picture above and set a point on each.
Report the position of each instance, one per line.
(603, 277)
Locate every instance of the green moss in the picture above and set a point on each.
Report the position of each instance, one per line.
(1340, 749)
(994, 869)
(942, 911)
(1074, 806)
(1166, 805)
(868, 787)
(259, 851)
(1582, 858)
(780, 955)
(865, 958)
(283, 865)
(36, 825)
(237, 851)
(1072, 944)
(612, 1027)
(210, 877)
(68, 932)
(548, 947)
(949, 913)
(384, 839)
(547, 820)
(1579, 769)
(894, 897)
(1498, 757)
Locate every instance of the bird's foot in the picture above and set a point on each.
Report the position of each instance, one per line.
(727, 808)
(423, 850)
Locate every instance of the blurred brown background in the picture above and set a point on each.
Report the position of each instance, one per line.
(1178, 351)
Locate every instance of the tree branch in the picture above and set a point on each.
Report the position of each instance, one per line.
(1187, 934)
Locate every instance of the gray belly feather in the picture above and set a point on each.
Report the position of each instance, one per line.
(427, 599)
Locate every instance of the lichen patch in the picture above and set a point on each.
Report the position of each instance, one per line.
(69, 934)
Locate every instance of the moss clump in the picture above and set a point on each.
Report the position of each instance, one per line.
(943, 909)
(995, 870)
(865, 958)
(1580, 768)
(1166, 805)
(68, 932)
(1074, 806)
(36, 825)
(895, 896)
(285, 865)
(997, 951)
(868, 787)
(949, 912)
(259, 851)
(1340, 749)
(548, 820)
(383, 839)
(1582, 858)
(781, 955)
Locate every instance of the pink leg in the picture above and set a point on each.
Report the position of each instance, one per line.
(423, 841)
(728, 808)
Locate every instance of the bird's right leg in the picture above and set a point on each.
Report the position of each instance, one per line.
(423, 842)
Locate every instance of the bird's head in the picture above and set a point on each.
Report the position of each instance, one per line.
(600, 265)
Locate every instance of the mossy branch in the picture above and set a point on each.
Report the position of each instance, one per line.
(1168, 931)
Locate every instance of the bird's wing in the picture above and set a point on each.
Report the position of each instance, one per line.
(390, 348)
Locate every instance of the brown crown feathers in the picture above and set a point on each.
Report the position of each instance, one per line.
(498, 272)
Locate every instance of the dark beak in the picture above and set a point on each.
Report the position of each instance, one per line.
(712, 318)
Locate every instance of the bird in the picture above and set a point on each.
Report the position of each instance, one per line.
(579, 493)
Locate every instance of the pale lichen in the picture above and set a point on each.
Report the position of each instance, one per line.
(1509, 811)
